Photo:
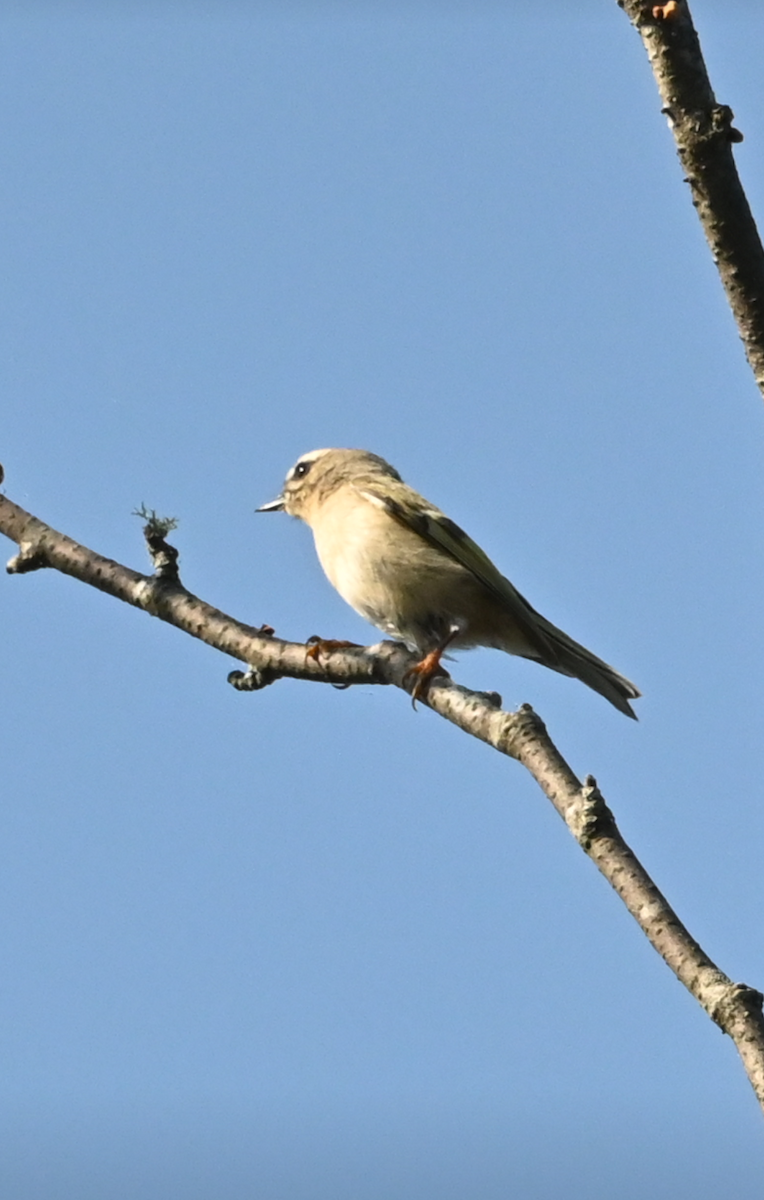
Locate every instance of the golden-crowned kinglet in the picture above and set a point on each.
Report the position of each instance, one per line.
(404, 566)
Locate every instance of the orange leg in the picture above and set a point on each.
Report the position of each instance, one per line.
(425, 671)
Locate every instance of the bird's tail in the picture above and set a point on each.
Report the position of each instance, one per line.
(570, 658)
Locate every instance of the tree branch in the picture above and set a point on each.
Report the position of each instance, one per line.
(521, 735)
(704, 137)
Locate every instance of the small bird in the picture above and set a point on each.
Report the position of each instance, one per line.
(408, 569)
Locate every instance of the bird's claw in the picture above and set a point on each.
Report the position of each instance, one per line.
(316, 646)
(423, 673)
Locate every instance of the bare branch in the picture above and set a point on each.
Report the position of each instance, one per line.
(736, 1008)
(704, 137)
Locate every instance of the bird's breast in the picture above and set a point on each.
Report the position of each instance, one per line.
(389, 574)
(358, 546)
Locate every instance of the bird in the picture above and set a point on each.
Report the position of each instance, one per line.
(413, 573)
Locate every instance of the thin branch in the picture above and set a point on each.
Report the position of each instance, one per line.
(704, 137)
(521, 735)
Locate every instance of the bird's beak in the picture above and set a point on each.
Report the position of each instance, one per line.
(276, 505)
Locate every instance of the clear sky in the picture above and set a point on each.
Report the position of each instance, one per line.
(306, 944)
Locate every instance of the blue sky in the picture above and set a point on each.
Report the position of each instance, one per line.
(305, 943)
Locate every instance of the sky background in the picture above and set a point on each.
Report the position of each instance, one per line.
(306, 944)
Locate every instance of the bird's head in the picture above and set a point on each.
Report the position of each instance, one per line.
(318, 474)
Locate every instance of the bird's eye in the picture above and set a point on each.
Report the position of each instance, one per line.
(301, 470)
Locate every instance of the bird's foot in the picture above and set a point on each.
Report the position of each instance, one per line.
(316, 646)
(423, 674)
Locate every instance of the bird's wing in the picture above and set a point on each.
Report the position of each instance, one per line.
(444, 534)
